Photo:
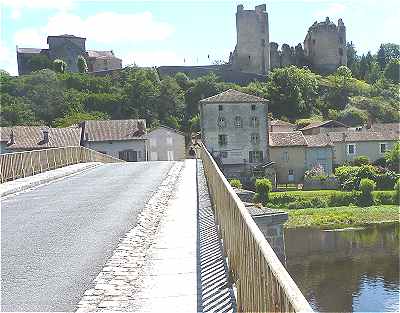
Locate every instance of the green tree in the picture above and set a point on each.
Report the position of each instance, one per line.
(73, 118)
(392, 71)
(392, 158)
(39, 62)
(387, 52)
(353, 59)
(82, 65)
(59, 66)
(16, 111)
(352, 116)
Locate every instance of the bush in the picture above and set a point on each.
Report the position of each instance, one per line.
(282, 199)
(263, 188)
(343, 198)
(383, 197)
(397, 192)
(366, 186)
(361, 160)
(300, 204)
(350, 176)
(236, 183)
(319, 203)
(380, 162)
(386, 181)
(316, 171)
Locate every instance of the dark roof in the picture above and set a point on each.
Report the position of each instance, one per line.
(66, 36)
(283, 139)
(278, 122)
(31, 137)
(101, 54)
(29, 50)
(169, 128)
(395, 127)
(353, 136)
(114, 130)
(329, 123)
(232, 96)
(320, 140)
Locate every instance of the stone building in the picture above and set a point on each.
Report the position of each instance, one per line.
(68, 48)
(233, 127)
(325, 45)
(251, 53)
(123, 139)
(165, 144)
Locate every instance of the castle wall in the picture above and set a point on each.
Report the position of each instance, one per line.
(252, 49)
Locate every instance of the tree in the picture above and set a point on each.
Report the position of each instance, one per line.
(393, 158)
(352, 116)
(392, 71)
(77, 117)
(59, 66)
(16, 111)
(82, 65)
(352, 59)
(387, 52)
(39, 62)
(292, 91)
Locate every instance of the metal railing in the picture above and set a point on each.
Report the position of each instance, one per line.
(262, 282)
(26, 163)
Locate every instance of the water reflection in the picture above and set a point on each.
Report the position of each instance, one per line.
(353, 270)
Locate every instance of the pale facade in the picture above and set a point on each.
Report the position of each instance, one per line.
(130, 150)
(165, 144)
(290, 163)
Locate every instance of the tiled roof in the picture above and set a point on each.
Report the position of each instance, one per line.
(352, 136)
(29, 50)
(329, 123)
(100, 54)
(113, 130)
(233, 96)
(384, 127)
(5, 133)
(320, 140)
(31, 137)
(283, 139)
(278, 122)
(168, 128)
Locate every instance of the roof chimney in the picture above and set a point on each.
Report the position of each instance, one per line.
(11, 141)
(45, 135)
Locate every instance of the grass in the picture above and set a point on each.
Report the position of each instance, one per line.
(341, 217)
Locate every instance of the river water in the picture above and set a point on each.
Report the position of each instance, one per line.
(348, 270)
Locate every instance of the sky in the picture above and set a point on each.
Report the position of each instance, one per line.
(154, 33)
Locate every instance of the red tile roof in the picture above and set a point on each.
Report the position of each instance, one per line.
(283, 139)
(114, 130)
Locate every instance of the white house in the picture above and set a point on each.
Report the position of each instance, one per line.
(165, 144)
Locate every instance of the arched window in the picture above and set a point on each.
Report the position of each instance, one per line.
(255, 122)
(255, 138)
(238, 122)
(221, 122)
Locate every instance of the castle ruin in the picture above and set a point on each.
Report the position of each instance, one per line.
(324, 45)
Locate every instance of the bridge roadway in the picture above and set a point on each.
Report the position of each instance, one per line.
(56, 238)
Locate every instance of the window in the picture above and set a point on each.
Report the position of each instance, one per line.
(238, 122)
(382, 147)
(128, 155)
(221, 122)
(340, 39)
(285, 156)
(255, 122)
(290, 176)
(170, 155)
(255, 139)
(313, 41)
(290, 172)
(255, 156)
(222, 140)
(220, 108)
(253, 107)
(224, 154)
(351, 149)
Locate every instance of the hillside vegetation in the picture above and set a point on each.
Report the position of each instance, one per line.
(368, 88)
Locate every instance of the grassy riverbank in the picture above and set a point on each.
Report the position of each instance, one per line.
(340, 217)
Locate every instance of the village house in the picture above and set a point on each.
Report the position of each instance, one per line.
(233, 128)
(123, 139)
(323, 127)
(277, 125)
(372, 144)
(165, 144)
(25, 138)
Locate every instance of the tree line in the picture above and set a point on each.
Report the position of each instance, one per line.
(352, 94)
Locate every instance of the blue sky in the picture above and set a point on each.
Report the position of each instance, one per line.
(183, 32)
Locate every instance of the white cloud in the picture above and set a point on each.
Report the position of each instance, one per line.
(103, 27)
(332, 11)
(17, 6)
(8, 61)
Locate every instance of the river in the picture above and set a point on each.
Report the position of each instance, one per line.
(353, 270)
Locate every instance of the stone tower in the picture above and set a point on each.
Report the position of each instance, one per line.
(251, 53)
(325, 46)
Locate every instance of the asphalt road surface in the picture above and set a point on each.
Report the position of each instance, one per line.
(55, 239)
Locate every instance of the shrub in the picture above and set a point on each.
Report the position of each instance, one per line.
(361, 160)
(263, 188)
(316, 171)
(236, 183)
(393, 158)
(300, 204)
(319, 203)
(386, 181)
(383, 197)
(282, 199)
(366, 186)
(380, 162)
(343, 198)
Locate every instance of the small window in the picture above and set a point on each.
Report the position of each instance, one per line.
(340, 39)
(224, 154)
(382, 147)
(285, 156)
(340, 51)
(255, 139)
(221, 122)
(313, 41)
(351, 149)
(220, 108)
(290, 172)
(169, 141)
(255, 122)
(238, 122)
(255, 156)
(222, 140)
(253, 107)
